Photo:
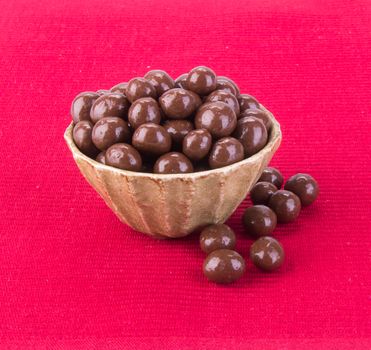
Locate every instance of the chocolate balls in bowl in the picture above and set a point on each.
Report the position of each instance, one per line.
(177, 163)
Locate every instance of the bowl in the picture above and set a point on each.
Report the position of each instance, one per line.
(174, 205)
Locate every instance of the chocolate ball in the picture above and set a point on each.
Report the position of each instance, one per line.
(262, 192)
(120, 88)
(82, 137)
(286, 205)
(102, 92)
(252, 133)
(216, 117)
(247, 102)
(225, 151)
(160, 80)
(181, 81)
(110, 130)
(218, 236)
(178, 129)
(259, 220)
(151, 139)
(144, 110)
(226, 97)
(179, 103)
(267, 254)
(109, 105)
(258, 114)
(173, 163)
(304, 186)
(226, 84)
(197, 144)
(81, 105)
(123, 156)
(101, 157)
(138, 88)
(224, 266)
(201, 80)
(273, 176)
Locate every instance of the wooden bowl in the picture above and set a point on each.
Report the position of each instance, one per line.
(174, 205)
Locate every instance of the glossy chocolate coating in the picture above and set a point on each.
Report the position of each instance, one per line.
(225, 151)
(201, 80)
(252, 133)
(218, 236)
(267, 254)
(120, 88)
(110, 130)
(103, 92)
(181, 81)
(262, 192)
(144, 110)
(138, 88)
(101, 157)
(178, 129)
(197, 144)
(226, 97)
(258, 114)
(247, 102)
(82, 138)
(259, 220)
(286, 205)
(226, 84)
(124, 156)
(151, 139)
(216, 117)
(160, 80)
(273, 176)
(173, 163)
(224, 266)
(179, 103)
(304, 186)
(109, 105)
(81, 105)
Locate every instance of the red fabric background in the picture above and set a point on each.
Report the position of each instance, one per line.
(73, 276)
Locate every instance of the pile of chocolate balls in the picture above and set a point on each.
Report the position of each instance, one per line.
(271, 205)
(155, 124)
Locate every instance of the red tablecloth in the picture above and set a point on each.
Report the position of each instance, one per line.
(73, 276)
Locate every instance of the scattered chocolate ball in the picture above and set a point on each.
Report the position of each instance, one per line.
(201, 80)
(101, 157)
(217, 236)
(226, 97)
(286, 205)
(109, 105)
(138, 88)
(110, 130)
(259, 220)
(120, 88)
(81, 105)
(262, 192)
(123, 156)
(144, 110)
(225, 151)
(226, 84)
(151, 139)
(197, 144)
(103, 92)
(304, 186)
(173, 163)
(178, 129)
(216, 117)
(258, 114)
(181, 81)
(267, 254)
(247, 102)
(224, 266)
(160, 80)
(82, 138)
(179, 103)
(273, 176)
(252, 133)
